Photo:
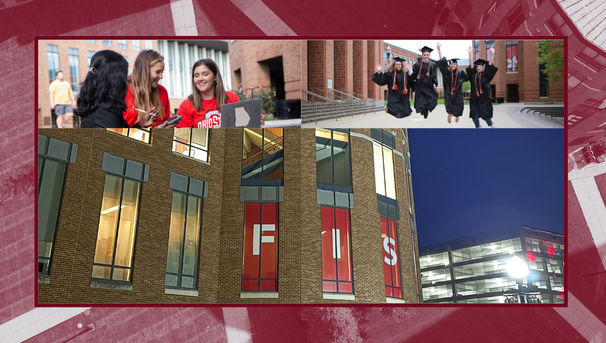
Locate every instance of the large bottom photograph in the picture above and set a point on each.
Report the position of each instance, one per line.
(232, 216)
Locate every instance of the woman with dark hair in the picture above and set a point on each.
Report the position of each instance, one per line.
(146, 100)
(453, 79)
(480, 104)
(101, 99)
(202, 109)
(396, 77)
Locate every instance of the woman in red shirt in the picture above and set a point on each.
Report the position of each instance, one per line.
(202, 108)
(145, 93)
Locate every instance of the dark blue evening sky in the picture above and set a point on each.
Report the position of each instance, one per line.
(471, 181)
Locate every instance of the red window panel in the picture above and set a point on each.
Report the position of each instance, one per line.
(550, 251)
(336, 250)
(512, 58)
(391, 261)
(530, 256)
(260, 253)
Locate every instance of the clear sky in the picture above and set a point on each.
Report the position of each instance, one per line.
(450, 48)
(470, 181)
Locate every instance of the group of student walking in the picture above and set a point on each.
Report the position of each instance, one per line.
(421, 78)
(110, 98)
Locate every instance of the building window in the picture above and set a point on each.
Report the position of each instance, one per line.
(192, 143)
(476, 49)
(136, 45)
(433, 260)
(512, 55)
(543, 82)
(436, 275)
(333, 160)
(337, 275)
(89, 55)
(489, 44)
(107, 43)
(127, 59)
(384, 170)
(384, 55)
(149, 44)
(122, 44)
(53, 157)
(260, 251)
(391, 263)
(142, 135)
(74, 68)
(117, 229)
(184, 241)
(508, 246)
(52, 55)
(263, 157)
(91, 41)
(408, 183)
(51, 178)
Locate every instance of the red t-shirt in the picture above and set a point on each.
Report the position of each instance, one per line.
(131, 115)
(208, 117)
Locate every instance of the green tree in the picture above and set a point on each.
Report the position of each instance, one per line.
(551, 55)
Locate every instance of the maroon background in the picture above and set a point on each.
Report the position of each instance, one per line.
(24, 21)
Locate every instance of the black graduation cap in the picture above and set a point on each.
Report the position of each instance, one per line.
(399, 59)
(426, 49)
(454, 60)
(480, 62)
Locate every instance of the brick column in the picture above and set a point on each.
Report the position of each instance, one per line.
(360, 60)
(343, 64)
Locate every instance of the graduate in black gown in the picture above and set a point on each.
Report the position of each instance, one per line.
(426, 90)
(396, 77)
(480, 105)
(453, 83)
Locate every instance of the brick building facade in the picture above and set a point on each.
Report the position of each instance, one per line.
(240, 172)
(343, 65)
(72, 57)
(267, 63)
(519, 78)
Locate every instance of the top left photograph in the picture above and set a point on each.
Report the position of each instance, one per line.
(144, 84)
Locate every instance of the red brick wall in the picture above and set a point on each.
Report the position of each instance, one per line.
(527, 76)
(250, 56)
(360, 60)
(343, 65)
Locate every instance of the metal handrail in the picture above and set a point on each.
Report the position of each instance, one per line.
(356, 95)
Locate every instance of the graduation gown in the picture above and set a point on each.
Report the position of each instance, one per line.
(398, 104)
(453, 96)
(426, 97)
(479, 99)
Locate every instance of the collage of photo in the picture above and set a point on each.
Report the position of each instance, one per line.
(184, 171)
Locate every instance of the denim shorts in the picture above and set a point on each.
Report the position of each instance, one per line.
(62, 109)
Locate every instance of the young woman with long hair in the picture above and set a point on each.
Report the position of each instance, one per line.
(202, 109)
(453, 79)
(480, 105)
(397, 79)
(101, 100)
(145, 93)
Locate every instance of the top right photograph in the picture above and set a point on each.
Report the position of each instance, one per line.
(433, 84)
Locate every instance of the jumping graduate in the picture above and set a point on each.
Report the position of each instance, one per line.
(396, 78)
(426, 90)
(453, 82)
(480, 105)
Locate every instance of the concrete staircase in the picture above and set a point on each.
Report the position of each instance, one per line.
(538, 117)
(310, 112)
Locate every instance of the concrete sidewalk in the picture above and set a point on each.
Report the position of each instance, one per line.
(436, 119)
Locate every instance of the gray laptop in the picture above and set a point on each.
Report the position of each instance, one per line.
(242, 114)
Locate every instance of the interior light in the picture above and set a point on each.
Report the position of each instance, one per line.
(517, 268)
(111, 209)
